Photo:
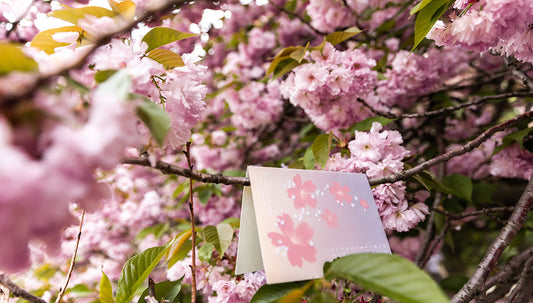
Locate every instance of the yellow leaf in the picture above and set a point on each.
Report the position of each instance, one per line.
(14, 59)
(176, 245)
(72, 15)
(125, 8)
(45, 42)
(168, 58)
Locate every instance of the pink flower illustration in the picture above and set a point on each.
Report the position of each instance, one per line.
(302, 193)
(296, 242)
(364, 204)
(340, 193)
(329, 217)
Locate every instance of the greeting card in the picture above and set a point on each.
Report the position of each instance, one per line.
(293, 221)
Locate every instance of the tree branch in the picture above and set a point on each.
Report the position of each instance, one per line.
(171, 169)
(17, 291)
(474, 286)
(453, 153)
(475, 101)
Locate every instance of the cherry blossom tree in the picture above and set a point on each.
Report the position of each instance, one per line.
(126, 128)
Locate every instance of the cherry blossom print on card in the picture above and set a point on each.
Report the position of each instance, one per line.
(294, 242)
(302, 192)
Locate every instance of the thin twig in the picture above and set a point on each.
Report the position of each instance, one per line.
(191, 209)
(480, 212)
(509, 269)
(297, 16)
(17, 291)
(453, 153)
(475, 101)
(474, 286)
(72, 262)
(434, 244)
(521, 291)
(430, 230)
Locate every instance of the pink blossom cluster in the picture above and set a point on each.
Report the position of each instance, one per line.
(327, 87)
(180, 91)
(254, 105)
(379, 153)
(215, 284)
(64, 173)
(512, 162)
(328, 15)
(411, 75)
(500, 25)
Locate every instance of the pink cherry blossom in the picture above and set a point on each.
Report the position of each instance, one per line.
(302, 193)
(329, 217)
(297, 241)
(340, 192)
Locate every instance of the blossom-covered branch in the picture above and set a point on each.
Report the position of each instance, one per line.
(453, 153)
(45, 79)
(168, 168)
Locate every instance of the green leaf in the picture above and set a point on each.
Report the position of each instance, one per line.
(388, 275)
(156, 119)
(72, 15)
(309, 158)
(136, 270)
(157, 230)
(45, 42)
(204, 195)
(117, 86)
(81, 290)
(102, 75)
(272, 293)
(106, 290)
(167, 58)
(285, 60)
(321, 148)
(338, 37)
(299, 54)
(160, 36)
(461, 186)
(14, 59)
(427, 16)
(367, 123)
(284, 66)
(220, 236)
(206, 252)
(166, 291)
(510, 139)
(430, 181)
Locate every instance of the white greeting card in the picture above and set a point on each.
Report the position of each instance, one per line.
(293, 221)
